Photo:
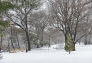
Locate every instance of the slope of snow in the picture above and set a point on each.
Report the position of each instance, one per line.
(83, 54)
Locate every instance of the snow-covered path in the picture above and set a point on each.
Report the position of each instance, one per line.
(83, 54)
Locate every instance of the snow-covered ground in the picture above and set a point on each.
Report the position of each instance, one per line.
(83, 54)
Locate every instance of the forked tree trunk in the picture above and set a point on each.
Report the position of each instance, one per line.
(69, 43)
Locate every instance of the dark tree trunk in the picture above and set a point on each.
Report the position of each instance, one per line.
(27, 33)
(12, 39)
(49, 41)
(69, 42)
(28, 42)
(38, 46)
(8, 46)
(85, 40)
(1, 43)
(41, 39)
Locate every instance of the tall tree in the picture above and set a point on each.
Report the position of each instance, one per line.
(4, 6)
(39, 21)
(67, 15)
(20, 16)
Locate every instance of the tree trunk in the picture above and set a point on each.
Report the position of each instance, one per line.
(85, 40)
(28, 42)
(27, 34)
(12, 39)
(41, 39)
(8, 46)
(69, 42)
(49, 41)
(1, 43)
(17, 40)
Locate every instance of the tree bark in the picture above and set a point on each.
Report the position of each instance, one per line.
(27, 33)
(28, 41)
(12, 39)
(69, 42)
(17, 40)
(85, 40)
(1, 43)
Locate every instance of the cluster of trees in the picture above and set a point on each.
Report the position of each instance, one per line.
(21, 17)
(24, 21)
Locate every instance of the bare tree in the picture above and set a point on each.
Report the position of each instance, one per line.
(20, 16)
(66, 16)
(39, 21)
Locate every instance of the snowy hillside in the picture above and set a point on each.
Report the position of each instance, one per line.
(83, 54)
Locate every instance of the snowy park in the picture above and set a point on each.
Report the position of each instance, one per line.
(45, 31)
(83, 54)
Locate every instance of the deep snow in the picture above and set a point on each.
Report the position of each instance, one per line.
(83, 54)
